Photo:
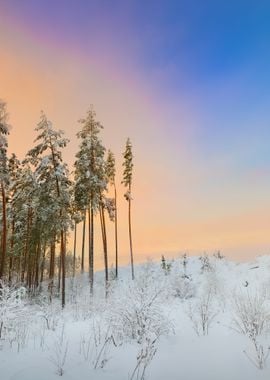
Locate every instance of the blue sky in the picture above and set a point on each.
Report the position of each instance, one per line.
(191, 76)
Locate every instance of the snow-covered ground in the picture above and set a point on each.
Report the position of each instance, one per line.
(193, 319)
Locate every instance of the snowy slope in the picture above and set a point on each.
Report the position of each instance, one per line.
(206, 319)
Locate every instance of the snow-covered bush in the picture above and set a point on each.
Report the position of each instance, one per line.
(206, 264)
(59, 351)
(136, 308)
(252, 319)
(251, 314)
(96, 344)
(202, 313)
(182, 286)
(49, 312)
(146, 353)
(12, 308)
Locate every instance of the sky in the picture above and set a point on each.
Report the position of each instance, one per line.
(187, 81)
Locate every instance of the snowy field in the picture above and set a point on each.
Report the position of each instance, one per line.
(192, 319)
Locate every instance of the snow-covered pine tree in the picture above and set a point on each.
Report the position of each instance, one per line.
(23, 209)
(52, 177)
(14, 169)
(77, 217)
(4, 131)
(110, 172)
(127, 181)
(90, 181)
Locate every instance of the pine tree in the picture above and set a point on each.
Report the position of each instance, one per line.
(52, 176)
(90, 181)
(23, 210)
(14, 169)
(127, 181)
(4, 131)
(110, 172)
(77, 217)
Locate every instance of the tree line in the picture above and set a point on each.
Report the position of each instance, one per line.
(42, 202)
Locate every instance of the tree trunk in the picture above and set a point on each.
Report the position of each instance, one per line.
(105, 246)
(51, 269)
(59, 271)
(130, 236)
(63, 265)
(4, 231)
(37, 265)
(43, 265)
(74, 249)
(26, 254)
(83, 242)
(91, 247)
(11, 252)
(116, 233)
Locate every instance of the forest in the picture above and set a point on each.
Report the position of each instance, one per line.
(43, 201)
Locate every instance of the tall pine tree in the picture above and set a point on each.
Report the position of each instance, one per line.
(4, 131)
(90, 181)
(127, 181)
(52, 176)
(110, 172)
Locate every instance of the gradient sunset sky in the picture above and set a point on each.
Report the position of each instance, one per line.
(187, 81)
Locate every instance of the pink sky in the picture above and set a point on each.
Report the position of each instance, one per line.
(182, 202)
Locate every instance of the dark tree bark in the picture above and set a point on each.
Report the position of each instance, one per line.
(130, 235)
(4, 231)
(83, 242)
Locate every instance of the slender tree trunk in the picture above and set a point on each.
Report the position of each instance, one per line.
(63, 265)
(83, 242)
(91, 248)
(11, 252)
(30, 267)
(116, 233)
(59, 270)
(26, 254)
(89, 243)
(43, 265)
(74, 249)
(105, 246)
(51, 269)
(130, 236)
(4, 231)
(37, 265)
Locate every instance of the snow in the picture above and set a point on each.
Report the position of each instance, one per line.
(153, 323)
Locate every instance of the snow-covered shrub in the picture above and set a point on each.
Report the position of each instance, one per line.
(96, 345)
(12, 309)
(166, 266)
(59, 351)
(182, 286)
(251, 314)
(206, 264)
(146, 353)
(252, 319)
(202, 313)
(218, 255)
(259, 353)
(136, 307)
(49, 312)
